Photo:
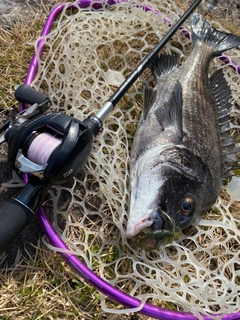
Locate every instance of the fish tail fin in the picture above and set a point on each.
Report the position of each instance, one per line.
(204, 32)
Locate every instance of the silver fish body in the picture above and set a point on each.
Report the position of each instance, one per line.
(182, 148)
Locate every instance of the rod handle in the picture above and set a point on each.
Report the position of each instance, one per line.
(14, 217)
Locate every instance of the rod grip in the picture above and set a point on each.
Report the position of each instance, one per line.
(14, 217)
(27, 94)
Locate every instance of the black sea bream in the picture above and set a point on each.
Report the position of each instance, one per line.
(182, 150)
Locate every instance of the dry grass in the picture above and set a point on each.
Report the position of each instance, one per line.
(42, 286)
(16, 52)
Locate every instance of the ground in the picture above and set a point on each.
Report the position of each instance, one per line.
(10, 13)
(11, 10)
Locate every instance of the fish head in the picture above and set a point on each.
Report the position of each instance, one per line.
(179, 201)
(166, 198)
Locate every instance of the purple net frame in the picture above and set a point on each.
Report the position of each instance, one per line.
(84, 272)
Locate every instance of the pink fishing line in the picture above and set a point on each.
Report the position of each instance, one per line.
(42, 147)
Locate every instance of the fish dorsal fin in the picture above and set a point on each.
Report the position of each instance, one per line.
(170, 115)
(222, 95)
(164, 64)
(149, 97)
(220, 89)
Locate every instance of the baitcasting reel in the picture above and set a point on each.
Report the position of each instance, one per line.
(50, 146)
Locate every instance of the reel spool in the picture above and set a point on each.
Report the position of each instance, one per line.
(41, 148)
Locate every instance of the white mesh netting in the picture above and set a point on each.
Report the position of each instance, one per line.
(87, 55)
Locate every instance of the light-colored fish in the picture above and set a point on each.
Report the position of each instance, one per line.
(182, 150)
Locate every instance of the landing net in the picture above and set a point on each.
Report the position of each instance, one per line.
(87, 55)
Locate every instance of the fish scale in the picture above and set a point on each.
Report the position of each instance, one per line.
(203, 135)
(182, 150)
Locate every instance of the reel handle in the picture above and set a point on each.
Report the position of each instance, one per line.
(26, 94)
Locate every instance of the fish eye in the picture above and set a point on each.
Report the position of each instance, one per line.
(188, 206)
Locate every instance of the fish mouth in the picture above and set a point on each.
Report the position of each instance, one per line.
(153, 222)
(161, 220)
(134, 229)
(162, 230)
(156, 227)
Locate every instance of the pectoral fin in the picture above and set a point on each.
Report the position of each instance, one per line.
(170, 115)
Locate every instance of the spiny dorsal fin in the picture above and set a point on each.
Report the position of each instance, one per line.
(222, 95)
(164, 64)
(149, 98)
(170, 114)
(220, 86)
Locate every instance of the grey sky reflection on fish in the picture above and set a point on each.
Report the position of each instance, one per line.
(182, 150)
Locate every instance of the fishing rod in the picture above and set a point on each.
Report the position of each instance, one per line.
(51, 146)
(143, 65)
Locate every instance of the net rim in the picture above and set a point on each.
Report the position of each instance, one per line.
(81, 269)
